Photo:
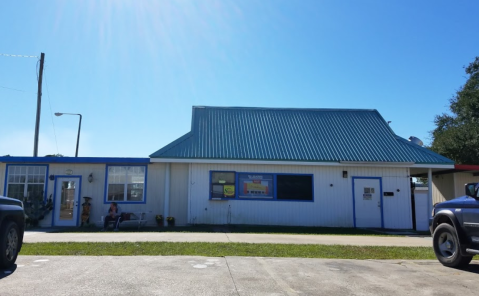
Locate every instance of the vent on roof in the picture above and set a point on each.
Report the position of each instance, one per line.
(415, 140)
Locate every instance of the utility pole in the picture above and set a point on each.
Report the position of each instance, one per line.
(39, 105)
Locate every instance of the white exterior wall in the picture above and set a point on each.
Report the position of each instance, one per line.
(179, 192)
(442, 188)
(461, 179)
(332, 206)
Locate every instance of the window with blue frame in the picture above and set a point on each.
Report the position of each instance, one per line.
(126, 183)
(223, 185)
(25, 182)
(294, 187)
(261, 186)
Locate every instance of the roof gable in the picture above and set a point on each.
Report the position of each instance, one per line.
(318, 135)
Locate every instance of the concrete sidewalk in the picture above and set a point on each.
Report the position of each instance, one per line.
(358, 240)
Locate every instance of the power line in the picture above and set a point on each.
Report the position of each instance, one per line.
(17, 55)
(12, 88)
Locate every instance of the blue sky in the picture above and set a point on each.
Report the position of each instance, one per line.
(134, 69)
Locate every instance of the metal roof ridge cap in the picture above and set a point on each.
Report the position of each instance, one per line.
(378, 162)
(284, 108)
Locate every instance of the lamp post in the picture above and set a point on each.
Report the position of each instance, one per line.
(79, 127)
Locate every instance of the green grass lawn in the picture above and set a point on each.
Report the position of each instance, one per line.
(240, 229)
(226, 249)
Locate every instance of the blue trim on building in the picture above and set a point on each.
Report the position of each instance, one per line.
(101, 160)
(145, 185)
(380, 198)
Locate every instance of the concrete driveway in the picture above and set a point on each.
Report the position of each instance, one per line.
(186, 275)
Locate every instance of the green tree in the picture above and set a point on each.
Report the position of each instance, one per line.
(456, 135)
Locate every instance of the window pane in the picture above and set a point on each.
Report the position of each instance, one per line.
(35, 191)
(294, 187)
(217, 191)
(223, 184)
(26, 181)
(135, 192)
(116, 192)
(132, 177)
(223, 177)
(15, 191)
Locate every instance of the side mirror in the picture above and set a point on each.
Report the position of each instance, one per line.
(470, 189)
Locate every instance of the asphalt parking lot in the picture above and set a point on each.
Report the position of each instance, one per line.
(187, 275)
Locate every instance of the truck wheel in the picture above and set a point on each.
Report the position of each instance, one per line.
(447, 247)
(9, 244)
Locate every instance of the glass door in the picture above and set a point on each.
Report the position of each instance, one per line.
(67, 197)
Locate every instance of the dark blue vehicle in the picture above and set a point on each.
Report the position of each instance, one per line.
(12, 226)
(455, 228)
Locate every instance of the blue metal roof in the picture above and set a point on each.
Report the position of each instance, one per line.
(317, 135)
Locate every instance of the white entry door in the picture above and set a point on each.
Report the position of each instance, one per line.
(67, 196)
(367, 202)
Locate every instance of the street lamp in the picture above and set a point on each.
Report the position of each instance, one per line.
(79, 127)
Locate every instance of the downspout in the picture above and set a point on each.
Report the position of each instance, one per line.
(167, 193)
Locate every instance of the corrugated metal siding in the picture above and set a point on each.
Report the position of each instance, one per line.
(325, 135)
(460, 180)
(442, 188)
(332, 206)
(179, 193)
(155, 203)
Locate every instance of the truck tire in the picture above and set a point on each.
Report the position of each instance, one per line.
(447, 247)
(9, 244)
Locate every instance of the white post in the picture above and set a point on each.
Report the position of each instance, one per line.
(429, 191)
(167, 192)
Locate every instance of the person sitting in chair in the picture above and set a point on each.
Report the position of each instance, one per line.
(113, 214)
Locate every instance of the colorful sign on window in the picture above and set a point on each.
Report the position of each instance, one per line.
(255, 186)
(229, 190)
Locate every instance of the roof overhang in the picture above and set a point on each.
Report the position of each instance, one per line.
(308, 163)
(458, 168)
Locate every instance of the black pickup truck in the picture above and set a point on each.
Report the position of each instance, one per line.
(12, 226)
(455, 228)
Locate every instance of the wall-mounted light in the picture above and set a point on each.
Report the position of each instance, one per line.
(51, 177)
(90, 178)
(345, 174)
(330, 185)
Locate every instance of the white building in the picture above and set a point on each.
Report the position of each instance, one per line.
(260, 166)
